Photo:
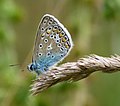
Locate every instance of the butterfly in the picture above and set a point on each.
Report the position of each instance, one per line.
(52, 44)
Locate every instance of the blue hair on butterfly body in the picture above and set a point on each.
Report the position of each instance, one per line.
(42, 64)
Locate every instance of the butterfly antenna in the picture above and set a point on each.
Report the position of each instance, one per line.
(12, 65)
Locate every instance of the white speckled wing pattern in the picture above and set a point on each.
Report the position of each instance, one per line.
(52, 44)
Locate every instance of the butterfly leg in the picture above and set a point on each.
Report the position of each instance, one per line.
(41, 71)
(38, 73)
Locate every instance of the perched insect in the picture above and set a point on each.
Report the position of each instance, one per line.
(52, 44)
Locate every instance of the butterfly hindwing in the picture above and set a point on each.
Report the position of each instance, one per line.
(53, 43)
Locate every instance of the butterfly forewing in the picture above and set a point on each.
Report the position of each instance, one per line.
(53, 42)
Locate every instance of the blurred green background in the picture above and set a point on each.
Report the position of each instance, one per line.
(95, 28)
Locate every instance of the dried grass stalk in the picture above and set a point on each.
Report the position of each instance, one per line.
(74, 71)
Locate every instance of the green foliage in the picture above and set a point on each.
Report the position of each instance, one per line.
(8, 15)
(94, 26)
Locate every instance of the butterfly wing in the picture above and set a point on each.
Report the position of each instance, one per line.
(53, 43)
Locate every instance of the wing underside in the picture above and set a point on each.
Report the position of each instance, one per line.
(53, 43)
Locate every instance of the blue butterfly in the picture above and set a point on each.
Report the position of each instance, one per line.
(52, 44)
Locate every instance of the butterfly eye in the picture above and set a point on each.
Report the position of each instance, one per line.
(40, 45)
(31, 67)
(46, 40)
